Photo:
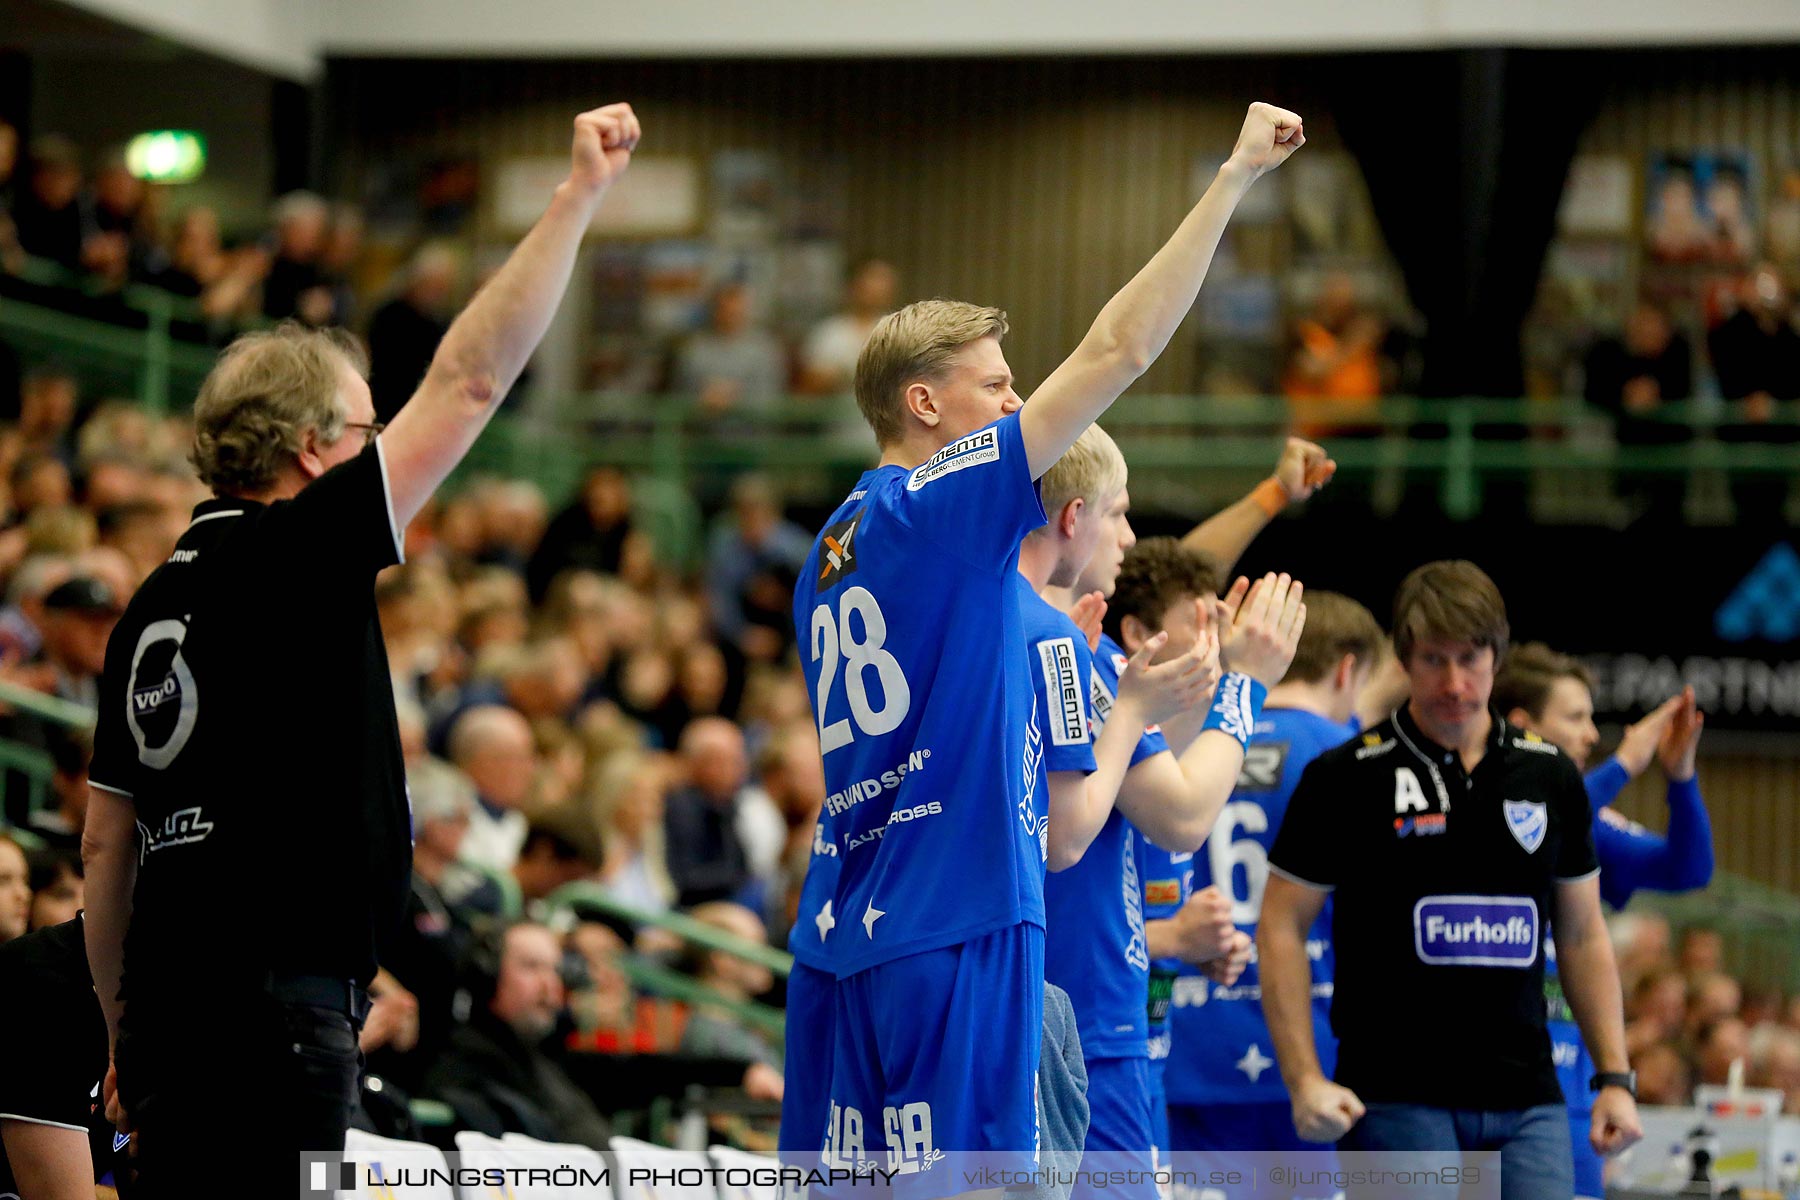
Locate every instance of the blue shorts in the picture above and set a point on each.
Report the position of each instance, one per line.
(806, 1096)
(1159, 1108)
(938, 1052)
(1120, 1132)
(1590, 1175)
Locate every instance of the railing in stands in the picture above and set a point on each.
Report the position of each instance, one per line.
(1179, 446)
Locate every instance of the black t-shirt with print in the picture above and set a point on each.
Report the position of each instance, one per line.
(1443, 883)
(247, 712)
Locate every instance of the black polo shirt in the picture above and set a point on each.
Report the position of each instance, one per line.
(55, 1038)
(247, 712)
(1443, 883)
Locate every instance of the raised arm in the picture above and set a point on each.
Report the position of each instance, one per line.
(1136, 324)
(488, 345)
(1302, 469)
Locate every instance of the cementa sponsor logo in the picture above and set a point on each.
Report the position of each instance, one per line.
(1476, 931)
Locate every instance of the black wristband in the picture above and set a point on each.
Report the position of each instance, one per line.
(1618, 1079)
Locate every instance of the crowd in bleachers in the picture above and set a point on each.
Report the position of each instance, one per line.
(1688, 1020)
(573, 710)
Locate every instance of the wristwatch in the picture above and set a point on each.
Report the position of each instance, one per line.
(1618, 1079)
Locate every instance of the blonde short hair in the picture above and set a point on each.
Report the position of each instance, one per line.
(264, 393)
(1092, 470)
(915, 343)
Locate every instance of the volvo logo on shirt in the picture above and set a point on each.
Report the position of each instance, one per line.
(1528, 821)
(1476, 931)
(161, 701)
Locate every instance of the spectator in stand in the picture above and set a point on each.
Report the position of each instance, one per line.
(56, 887)
(1756, 356)
(200, 268)
(791, 774)
(15, 890)
(22, 621)
(752, 562)
(1712, 996)
(1719, 1043)
(1657, 1010)
(47, 402)
(47, 215)
(828, 357)
(560, 848)
(492, 745)
(296, 284)
(495, 1074)
(713, 1032)
(541, 680)
(446, 899)
(78, 618)
(1775, 1063)
(1701, 951)
(39, 482)
(628, 794)
(1333, 376)
(340, 259)
(1663, 1075)
(1635, 378)
(59, 827)
(119, 243)
(732, 367)
(404, 333)
(145, 533)
(589, 534)
(703, 824)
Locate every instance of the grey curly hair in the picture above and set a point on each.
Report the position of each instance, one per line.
(264, 393)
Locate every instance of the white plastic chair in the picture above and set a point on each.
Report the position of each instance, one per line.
(578, 1168)
(727, 1158)
(385, 1158)
(635, 1155)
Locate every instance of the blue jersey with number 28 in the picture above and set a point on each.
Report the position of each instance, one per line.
(907, 614)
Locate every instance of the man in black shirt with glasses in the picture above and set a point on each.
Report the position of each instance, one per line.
(248, 841)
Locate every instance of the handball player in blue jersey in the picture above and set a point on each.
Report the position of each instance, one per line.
(922, 912)
(1097, 949)
(1223, 1091)
(1551, 695)
(1083, 498)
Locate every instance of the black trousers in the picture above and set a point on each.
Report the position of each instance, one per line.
(225, 1095)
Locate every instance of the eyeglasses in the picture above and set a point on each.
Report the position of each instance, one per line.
(371, 430)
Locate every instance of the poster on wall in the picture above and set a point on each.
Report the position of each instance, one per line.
(746, 197)
(1597, 197)
(1321, 190)
(1700, 208)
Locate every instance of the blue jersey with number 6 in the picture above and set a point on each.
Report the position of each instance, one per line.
(907, 613)
(1221, 1052)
